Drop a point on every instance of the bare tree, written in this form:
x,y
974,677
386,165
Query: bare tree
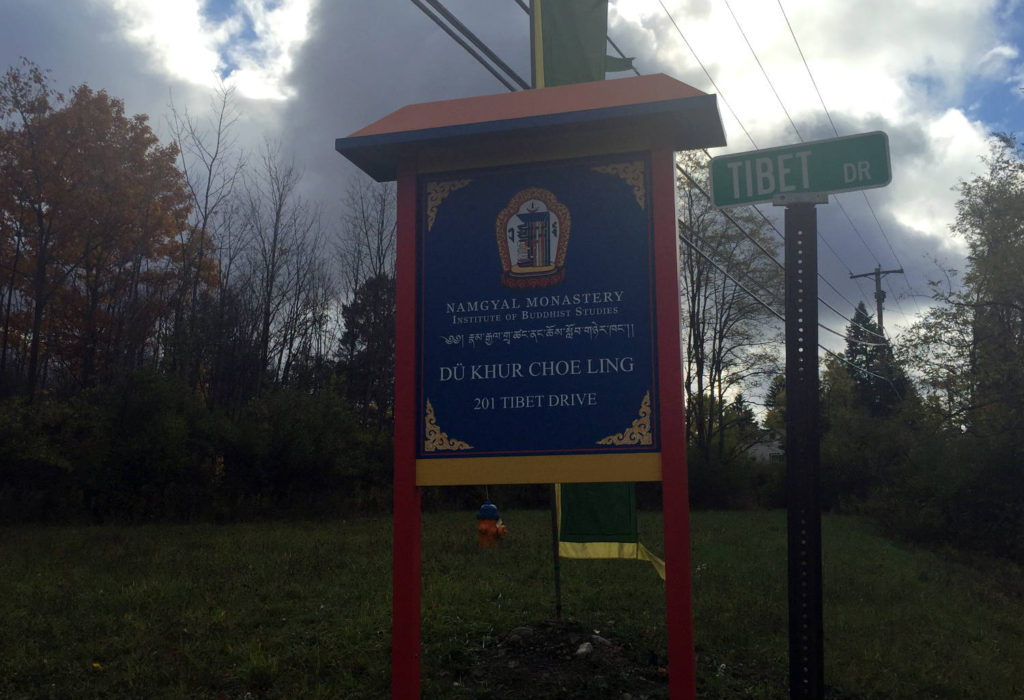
x,y
729,283
213,166
303,334
286,245
366,245
366,347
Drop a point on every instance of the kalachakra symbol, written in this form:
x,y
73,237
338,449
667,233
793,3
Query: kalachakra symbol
x,y
533,237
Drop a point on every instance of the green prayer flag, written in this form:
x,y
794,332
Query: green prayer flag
x,y
595,520
598,512
614,64
569,41
598,521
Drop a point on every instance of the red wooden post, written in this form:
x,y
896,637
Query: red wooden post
x,y
674,487
406,562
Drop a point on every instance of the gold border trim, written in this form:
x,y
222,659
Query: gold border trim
x,y
538,469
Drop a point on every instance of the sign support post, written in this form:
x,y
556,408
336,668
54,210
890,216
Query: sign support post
x,y
799,177
674,487
406,556
803,455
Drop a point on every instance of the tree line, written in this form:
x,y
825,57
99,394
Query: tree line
x,y
181,332
183,335
925,432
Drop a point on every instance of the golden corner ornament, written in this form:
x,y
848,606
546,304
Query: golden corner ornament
x,y
834,165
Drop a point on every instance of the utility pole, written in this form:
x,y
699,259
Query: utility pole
x,y
879,293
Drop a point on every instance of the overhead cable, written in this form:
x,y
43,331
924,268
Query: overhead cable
x,y
782,105
763,71
700,189
824,108
450,31
754,144
436,4
511,87
712,80
693,246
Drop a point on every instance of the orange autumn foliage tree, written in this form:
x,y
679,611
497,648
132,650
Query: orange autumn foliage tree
x,y
92,205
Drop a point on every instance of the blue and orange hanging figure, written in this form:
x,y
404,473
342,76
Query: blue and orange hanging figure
x,y
489,526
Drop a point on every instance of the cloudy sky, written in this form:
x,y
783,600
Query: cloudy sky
x,y
938,76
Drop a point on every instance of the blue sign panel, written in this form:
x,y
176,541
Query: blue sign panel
x,y
536,310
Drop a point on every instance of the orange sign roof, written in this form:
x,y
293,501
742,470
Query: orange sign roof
x,y
679,115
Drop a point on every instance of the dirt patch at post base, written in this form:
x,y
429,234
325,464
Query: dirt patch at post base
x,y
553,659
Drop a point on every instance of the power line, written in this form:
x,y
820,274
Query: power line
x,y
771,309
753,296
700,189
846,214
450,31
773,296
797,131
487,52
436,4
854,340
865,371
814,83
696,58
790,118
763,71
839,357
724,213
771,257
828,245
802,58
754,144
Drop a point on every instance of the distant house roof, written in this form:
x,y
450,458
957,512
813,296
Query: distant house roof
x,y
655,109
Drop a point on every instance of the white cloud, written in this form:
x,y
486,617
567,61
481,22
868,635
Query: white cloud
x,y
177,42
264,67
185,46
912,68
922,196
907,68
997,60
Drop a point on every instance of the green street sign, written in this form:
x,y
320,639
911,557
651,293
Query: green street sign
x,y
815,167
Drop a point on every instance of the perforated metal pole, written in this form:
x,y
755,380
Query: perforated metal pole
x,y
803,456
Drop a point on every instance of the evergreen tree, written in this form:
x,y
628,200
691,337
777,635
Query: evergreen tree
x,y
366,357
879,383
969,353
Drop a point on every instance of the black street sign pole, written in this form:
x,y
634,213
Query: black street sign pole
x,y
799,177
803,456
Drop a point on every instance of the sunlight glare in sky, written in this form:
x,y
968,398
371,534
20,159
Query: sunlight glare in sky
x,y
247,43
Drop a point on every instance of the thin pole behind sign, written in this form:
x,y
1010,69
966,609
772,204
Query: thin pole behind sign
x,y
554,551
803,455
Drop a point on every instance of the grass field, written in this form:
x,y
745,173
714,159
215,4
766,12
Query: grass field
x,y
302,610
